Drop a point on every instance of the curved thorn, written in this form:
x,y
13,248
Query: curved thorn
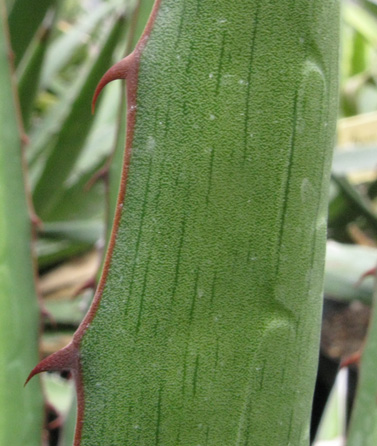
x,y
118,71
64,359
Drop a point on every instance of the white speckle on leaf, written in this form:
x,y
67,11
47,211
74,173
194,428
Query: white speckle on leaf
x,y
212,117
210,75
151,144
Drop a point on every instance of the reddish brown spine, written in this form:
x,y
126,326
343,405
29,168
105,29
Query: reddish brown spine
x,y
64,359
121,70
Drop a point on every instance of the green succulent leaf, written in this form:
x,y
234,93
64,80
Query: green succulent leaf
x,y
64,47
213,291
363,426
21,410
73,133
29,80
24,20
361,20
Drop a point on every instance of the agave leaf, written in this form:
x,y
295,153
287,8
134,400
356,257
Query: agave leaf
x,y
361,20
359,59
115,166
63,47
354,159
99,143
363,425
73,133
371,5
64,93
24,20
357,201
29,80
47,131
76,224
21,410
79,201
84,231
210,298
44,135
52,251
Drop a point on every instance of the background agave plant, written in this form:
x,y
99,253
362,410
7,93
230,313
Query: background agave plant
x,y
61,49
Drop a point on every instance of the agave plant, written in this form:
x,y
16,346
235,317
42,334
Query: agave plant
x,y
210,295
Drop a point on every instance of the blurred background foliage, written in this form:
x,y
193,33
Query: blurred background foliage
x,y
61,48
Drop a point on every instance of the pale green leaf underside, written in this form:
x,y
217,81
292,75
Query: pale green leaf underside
x,y
207,332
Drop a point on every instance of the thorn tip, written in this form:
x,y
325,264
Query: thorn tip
x,y
64,359
118,71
